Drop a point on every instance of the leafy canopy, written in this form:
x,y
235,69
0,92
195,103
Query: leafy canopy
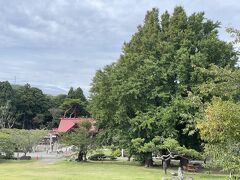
x,y
153,88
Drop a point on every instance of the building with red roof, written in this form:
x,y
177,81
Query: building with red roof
x,y
66,124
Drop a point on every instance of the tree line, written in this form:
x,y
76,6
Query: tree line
x,y
27,107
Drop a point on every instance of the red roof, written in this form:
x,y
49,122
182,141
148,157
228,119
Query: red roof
x,y
67,123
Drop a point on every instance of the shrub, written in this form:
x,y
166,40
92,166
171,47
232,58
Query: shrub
x,y
25,158
7,156
97,157
116,153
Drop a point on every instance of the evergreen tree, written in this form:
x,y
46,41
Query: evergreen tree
x,y
151,90
74,105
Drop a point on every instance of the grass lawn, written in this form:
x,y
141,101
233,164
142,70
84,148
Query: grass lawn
x,y
36,170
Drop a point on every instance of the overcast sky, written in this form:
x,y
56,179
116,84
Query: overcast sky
x,y
56,44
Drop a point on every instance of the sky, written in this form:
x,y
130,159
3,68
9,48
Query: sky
x,y
58,44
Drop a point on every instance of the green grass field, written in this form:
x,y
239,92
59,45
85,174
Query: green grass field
x,y
62,170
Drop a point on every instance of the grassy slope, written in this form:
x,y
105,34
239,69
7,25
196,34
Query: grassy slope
x,y
84,171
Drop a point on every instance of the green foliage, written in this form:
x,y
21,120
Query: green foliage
x,y
19,139
221,82
7,118
153,89
80,137
74,105
6,92
30,102
56,114
116,153
86,124
27,107
97,157
221,122
57,101
7,145
220,129
25,140
76,94
174,147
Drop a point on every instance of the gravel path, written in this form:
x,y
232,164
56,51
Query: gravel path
x,y
44,157
49,160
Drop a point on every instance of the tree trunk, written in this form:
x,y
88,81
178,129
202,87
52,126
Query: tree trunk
x,y
148,159
80,156
129,157
168,162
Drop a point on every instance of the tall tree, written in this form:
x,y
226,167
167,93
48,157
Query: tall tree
x,y
150,90
30,102
6,93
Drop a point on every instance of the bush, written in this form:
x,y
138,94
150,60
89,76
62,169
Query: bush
x,y
7,156
138,158
116,153
101,157
97,157
25,158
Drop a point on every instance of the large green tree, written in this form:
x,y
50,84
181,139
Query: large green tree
x,y
150,90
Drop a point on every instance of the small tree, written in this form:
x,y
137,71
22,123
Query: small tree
x,y
19,139
25,140
220,129
7,145
82,138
